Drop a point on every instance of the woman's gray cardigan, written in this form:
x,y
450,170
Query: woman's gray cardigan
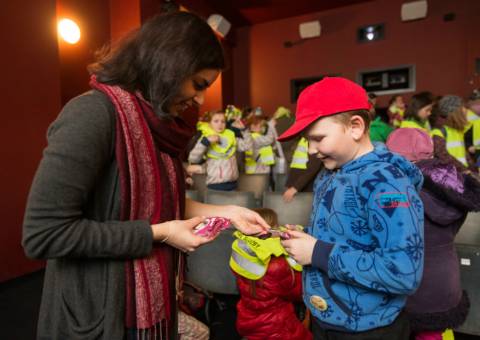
x,y
72,220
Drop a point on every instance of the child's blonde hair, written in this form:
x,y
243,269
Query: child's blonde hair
x,y
254,120
269,215
207,117
344,118
457,119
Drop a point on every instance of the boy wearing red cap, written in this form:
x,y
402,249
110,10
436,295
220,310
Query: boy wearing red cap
x,y
363,250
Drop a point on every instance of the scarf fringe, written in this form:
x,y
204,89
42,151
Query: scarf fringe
x,y
159,331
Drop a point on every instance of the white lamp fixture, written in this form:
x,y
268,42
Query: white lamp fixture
x,y
310,29
69,31
414,10
219,24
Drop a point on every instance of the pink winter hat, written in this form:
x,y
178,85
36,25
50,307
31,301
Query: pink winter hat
x,y
413,144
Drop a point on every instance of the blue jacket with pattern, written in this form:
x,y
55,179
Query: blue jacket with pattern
x,y
368,219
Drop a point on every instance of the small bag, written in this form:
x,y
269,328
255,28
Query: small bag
x,y
193,298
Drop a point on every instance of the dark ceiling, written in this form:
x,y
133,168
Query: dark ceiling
x,y
250,12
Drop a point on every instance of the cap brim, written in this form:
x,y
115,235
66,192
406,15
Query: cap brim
x,y
297,127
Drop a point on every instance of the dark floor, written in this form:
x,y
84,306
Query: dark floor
x,y
20,301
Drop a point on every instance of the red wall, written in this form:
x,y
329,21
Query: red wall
x,y
30,97
93,18
125,17
443,52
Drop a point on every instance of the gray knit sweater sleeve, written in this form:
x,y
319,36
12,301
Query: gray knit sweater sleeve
x,y
62,217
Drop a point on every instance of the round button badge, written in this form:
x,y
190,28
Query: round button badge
x,y
318,302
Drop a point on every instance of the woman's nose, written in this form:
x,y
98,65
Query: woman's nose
x,y
199,97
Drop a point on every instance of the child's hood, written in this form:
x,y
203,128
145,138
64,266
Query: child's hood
x,y
450,186
381,154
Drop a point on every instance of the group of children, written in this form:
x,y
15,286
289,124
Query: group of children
x,y
219,139
377,259
453,124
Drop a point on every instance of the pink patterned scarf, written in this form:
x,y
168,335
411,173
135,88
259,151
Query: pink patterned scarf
x,y
152,184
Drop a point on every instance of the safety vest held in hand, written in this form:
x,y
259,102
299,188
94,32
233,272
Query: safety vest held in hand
x,y
300,156
265,156
455,142
251,255
226,146
474,120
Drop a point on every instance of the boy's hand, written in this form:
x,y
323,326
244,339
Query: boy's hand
x,y
300,246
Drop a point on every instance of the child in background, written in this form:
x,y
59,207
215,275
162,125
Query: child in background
x,y
418,111
260,158
219,145
363,250
379,127
473,117
449,138
447,196
396,110
269,282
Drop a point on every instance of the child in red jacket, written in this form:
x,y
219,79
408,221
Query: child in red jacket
x,y
269,282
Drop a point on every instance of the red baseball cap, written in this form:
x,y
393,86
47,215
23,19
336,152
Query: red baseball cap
x,y
327,97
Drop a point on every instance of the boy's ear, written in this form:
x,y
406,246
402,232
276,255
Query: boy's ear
x,y
357,127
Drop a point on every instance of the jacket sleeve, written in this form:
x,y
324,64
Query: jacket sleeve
x,y
245,143
80,149
196,154
302,179
391,259
264,140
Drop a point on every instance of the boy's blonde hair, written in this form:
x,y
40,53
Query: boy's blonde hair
x,y
344,118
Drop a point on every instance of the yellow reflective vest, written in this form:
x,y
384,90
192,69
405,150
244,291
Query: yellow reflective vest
x,y
251,255
396,110
474,120
414,124
226,146
205,129
300,155
265,156
455,143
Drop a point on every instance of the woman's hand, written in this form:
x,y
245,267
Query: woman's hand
x,y
289,194
180,234
247,221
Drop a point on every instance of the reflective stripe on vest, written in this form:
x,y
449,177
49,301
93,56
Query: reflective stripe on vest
x,y
294,264
474,119
455,143
472,116
300,156
225,148
265,157
244,264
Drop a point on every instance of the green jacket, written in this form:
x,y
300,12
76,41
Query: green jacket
x,y
379,130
